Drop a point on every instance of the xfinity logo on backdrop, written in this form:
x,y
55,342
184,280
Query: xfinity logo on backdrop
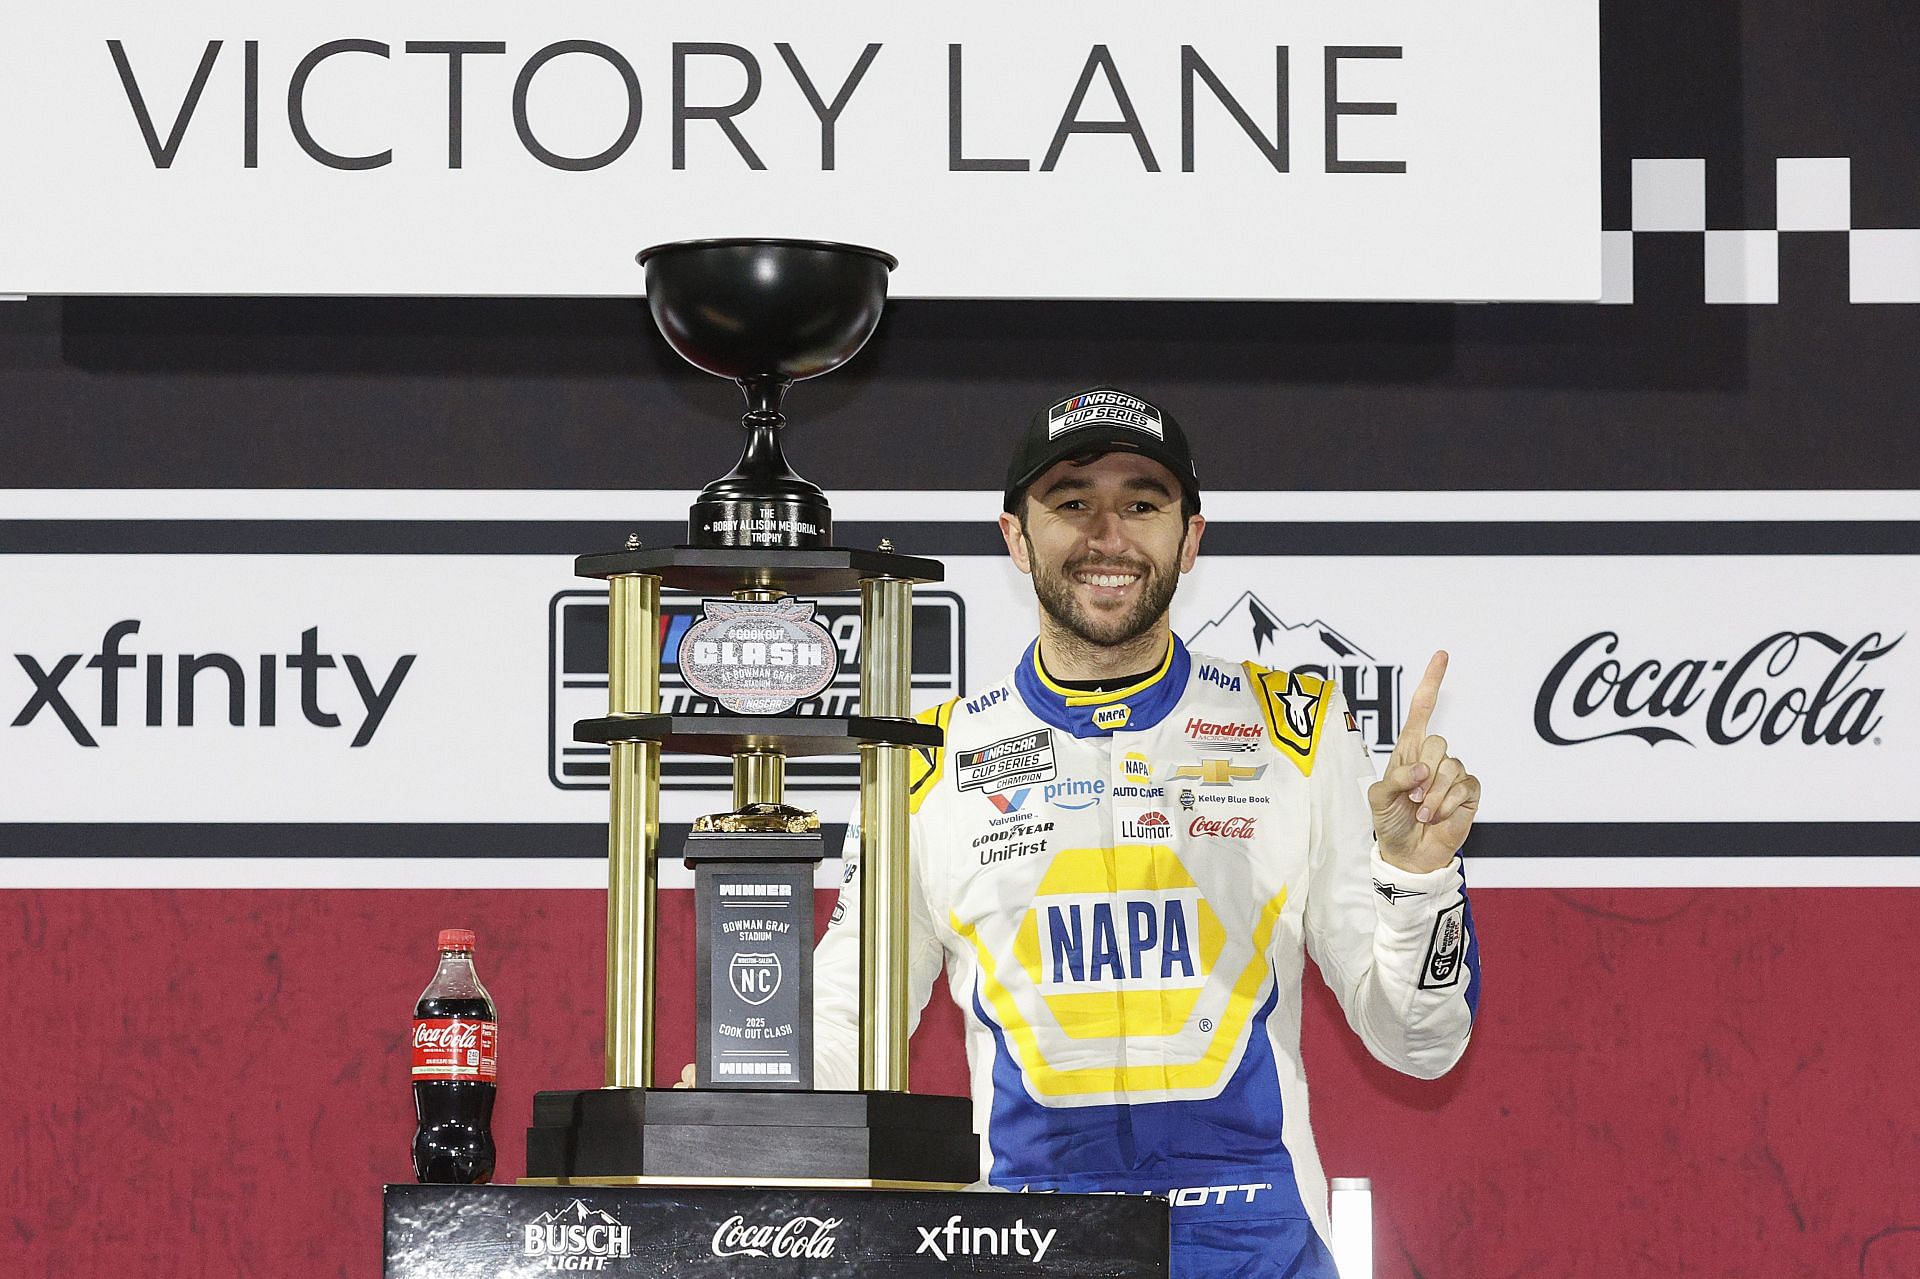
x,y
115,687
1804,686
956,1239
1249,628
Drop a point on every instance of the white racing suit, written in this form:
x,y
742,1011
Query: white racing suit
x,y
1121,887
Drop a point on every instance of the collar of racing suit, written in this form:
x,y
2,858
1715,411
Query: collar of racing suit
x,y
1089,714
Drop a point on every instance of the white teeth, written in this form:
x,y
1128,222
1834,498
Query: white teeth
x,y
1108,579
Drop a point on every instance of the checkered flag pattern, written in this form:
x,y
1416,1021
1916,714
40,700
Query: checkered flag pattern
x,y
1813,197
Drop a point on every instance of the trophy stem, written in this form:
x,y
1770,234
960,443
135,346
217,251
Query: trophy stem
x,y
764,394
886,629
759,777
633,688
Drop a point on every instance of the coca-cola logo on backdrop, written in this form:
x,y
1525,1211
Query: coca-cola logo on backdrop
x,y
1792,686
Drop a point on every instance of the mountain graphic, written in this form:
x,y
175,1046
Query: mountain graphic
x,y
577,1211
1250,628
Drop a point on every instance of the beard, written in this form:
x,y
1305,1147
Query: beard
x,y
1105,628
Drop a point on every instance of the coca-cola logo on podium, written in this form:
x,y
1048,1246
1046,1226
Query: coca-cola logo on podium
x,y
803,1236
1792,686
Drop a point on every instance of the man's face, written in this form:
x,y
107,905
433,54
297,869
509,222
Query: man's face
x,y
1106,543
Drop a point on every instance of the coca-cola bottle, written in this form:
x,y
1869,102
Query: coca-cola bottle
x,y
454,1049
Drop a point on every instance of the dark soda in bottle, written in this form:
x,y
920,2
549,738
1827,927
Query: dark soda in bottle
x,y
455,1050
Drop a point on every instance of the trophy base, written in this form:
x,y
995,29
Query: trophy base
x,y
608,1135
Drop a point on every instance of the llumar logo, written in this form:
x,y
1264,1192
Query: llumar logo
x,y
576,1238
1804,686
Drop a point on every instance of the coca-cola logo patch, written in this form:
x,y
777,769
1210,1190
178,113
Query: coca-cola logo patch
x,y
1222,827
1805,687
455,1048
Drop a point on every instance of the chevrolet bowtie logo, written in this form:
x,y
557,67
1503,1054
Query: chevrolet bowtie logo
x,y
1218,772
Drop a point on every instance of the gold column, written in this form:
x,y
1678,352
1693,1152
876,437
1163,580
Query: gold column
x,y
759,777
886,637
633,688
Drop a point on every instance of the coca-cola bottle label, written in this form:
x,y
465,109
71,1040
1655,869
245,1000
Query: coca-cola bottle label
x,y
455,1048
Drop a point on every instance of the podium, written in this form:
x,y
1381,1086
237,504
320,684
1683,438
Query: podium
x,y
693,1232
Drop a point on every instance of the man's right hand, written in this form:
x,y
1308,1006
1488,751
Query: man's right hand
x,y
686,1077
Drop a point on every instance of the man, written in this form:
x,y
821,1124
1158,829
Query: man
x,y
1124,849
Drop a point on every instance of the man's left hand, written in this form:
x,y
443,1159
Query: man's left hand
x,y
1426,803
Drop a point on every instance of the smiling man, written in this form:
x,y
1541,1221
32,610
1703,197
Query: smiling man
x,y
1124,853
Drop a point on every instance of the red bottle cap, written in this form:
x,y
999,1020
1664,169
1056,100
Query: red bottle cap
x,y
456,939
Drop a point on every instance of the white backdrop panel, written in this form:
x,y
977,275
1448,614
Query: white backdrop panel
x,y
1001,149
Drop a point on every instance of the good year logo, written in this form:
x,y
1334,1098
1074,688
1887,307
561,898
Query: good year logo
x,y
1804,685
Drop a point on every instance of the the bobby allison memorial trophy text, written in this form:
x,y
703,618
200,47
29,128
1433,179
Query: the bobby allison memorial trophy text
x,y
753,1172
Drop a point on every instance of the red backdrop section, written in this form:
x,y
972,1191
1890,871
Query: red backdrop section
x,y
215,1082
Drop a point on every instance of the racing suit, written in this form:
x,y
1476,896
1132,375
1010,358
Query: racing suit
x,y
1120,886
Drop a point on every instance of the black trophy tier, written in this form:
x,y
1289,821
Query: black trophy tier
x,y
766,313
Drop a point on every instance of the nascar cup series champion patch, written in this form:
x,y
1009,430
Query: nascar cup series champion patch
x,y
758,658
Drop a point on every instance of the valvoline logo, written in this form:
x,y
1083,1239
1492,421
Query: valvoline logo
x,y
1011,801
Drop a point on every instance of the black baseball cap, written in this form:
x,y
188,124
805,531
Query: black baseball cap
x,y
1102,419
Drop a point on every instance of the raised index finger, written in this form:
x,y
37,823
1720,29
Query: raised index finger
x,y
1420,710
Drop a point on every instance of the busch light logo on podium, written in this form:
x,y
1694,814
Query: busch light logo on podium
x,y
576,1238
758,658
755,978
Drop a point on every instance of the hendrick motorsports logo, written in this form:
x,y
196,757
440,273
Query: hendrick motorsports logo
x,y
1248,628
576,1238
1801,686
577,682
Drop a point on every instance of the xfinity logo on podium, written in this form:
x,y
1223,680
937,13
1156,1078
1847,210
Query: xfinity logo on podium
x,y
577,684
957,1239
1801,686
120,686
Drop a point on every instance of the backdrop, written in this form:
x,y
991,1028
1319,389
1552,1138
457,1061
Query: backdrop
x,y
1695,903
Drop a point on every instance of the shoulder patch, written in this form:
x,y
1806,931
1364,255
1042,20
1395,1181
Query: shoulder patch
x,y
928,762
1295,708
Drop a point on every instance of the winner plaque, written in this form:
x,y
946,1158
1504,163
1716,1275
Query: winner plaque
x,y
764,314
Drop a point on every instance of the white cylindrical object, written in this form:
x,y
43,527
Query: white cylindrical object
x,y
1350,1204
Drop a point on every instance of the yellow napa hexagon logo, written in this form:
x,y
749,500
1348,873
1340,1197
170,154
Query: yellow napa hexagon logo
x,y
1119,942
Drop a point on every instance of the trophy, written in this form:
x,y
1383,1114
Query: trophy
x,y
764,313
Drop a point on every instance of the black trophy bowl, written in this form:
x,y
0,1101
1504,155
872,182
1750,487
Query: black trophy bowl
x,y
766,313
